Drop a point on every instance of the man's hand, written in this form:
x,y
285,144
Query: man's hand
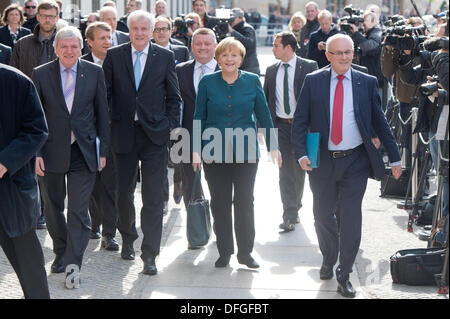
x,y
397,171
304,163
40,168
322,46
354,28
196,161
230,29
3,170
376,141
276,157
102,162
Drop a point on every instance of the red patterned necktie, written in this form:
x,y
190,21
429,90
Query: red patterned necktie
x,y
338,105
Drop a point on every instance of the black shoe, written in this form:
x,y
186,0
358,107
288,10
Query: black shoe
x,y
287,226
194,247
58,264
177,192
222,262
127,252
109,243
326,272
345,289
150,267
41,224
95,233
248,261
165,208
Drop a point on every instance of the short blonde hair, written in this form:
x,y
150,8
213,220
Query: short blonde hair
x,y
229,44
325,14
297,16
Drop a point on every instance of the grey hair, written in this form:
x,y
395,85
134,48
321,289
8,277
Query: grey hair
x,y
312,3
141,15
338,36
324,14
102,11
69,32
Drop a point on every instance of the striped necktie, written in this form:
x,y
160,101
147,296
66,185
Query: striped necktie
x,y
69,94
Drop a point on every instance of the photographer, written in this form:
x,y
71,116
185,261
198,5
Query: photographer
x,y
369,45
184,27
244,33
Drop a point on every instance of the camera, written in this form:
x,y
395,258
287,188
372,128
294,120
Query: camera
x,y
182,25
223,19
405,37
428,89
355,17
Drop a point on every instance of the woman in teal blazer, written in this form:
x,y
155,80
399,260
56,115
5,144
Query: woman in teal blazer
x,y
225,109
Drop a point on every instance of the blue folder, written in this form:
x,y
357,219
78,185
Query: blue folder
x,y
312,148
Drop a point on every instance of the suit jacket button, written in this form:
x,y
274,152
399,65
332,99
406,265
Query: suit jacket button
x,y
229,105
229,96
229,114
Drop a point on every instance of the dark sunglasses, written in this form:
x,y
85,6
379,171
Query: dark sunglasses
x,y
30,7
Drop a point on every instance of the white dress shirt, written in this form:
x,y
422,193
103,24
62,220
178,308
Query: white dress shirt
x,y
279,88
210,68
97,60
351,137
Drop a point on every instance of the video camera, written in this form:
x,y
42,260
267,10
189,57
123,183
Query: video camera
x,y
403,37
182,25
223,19
356,17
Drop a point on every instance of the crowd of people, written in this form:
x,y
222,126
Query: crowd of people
x,y
90,110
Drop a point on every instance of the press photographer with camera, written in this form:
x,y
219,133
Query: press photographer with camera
x,y
184,27
369,45
244,33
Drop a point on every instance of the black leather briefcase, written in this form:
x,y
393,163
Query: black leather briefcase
x,y
417,267
390,187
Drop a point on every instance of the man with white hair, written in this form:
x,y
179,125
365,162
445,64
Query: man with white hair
x,y
317,39
73,96
343,106
144,105
109,15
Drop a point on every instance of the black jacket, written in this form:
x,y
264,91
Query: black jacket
x,y
305,32
5,54
440,65
245,33
370,51
30,24
23,131
313,52
5,36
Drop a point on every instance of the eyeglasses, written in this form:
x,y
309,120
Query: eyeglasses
x,y
46,16
340,53
30,7
158,30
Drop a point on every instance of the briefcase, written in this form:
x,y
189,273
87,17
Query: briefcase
x,y
390,187
198,228
417,267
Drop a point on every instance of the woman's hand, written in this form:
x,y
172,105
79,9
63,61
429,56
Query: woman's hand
x,y
196,161
276,157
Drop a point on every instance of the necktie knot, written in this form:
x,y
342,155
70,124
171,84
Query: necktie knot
x,y
341,77
286,65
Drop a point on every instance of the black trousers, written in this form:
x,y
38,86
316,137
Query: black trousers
x,y
232,184
102,207
26,257
72,237
344,187
292,177
153,160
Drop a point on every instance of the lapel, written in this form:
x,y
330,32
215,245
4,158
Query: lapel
x,y
297,77
57,85
151,57
326,96
356,87
129,62
190,78
79,84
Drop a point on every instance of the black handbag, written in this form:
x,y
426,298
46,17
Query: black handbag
x,y
417,267
198,228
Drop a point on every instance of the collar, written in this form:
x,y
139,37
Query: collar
x,y
210,65
73,68
95,58
348,74
292,62
145,50
11,31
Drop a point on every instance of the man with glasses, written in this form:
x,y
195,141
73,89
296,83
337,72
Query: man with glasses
x,y
343,106
30,13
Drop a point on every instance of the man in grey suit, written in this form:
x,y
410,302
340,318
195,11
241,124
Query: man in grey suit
x,y
73,95
5,54
109,15
282,87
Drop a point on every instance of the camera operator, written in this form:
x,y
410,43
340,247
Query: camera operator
x,y
184,27
391,59
244,33
369,45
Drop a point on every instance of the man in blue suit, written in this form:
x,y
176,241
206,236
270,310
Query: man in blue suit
x,y
343,105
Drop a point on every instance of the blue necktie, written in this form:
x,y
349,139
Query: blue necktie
x,y
137,69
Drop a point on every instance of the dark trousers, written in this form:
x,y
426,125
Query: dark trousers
x,y
72,237
177,178
405,113
102,207
187,183
153,160
292,177
26,257
344,187
232,184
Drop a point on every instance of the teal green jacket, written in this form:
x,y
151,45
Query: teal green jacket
x,y
224,127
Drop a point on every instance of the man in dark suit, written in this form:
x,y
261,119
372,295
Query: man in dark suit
x,y
282,86
108,14
343,106
73,95
102,206
189,74
5,54
22,132
144,101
